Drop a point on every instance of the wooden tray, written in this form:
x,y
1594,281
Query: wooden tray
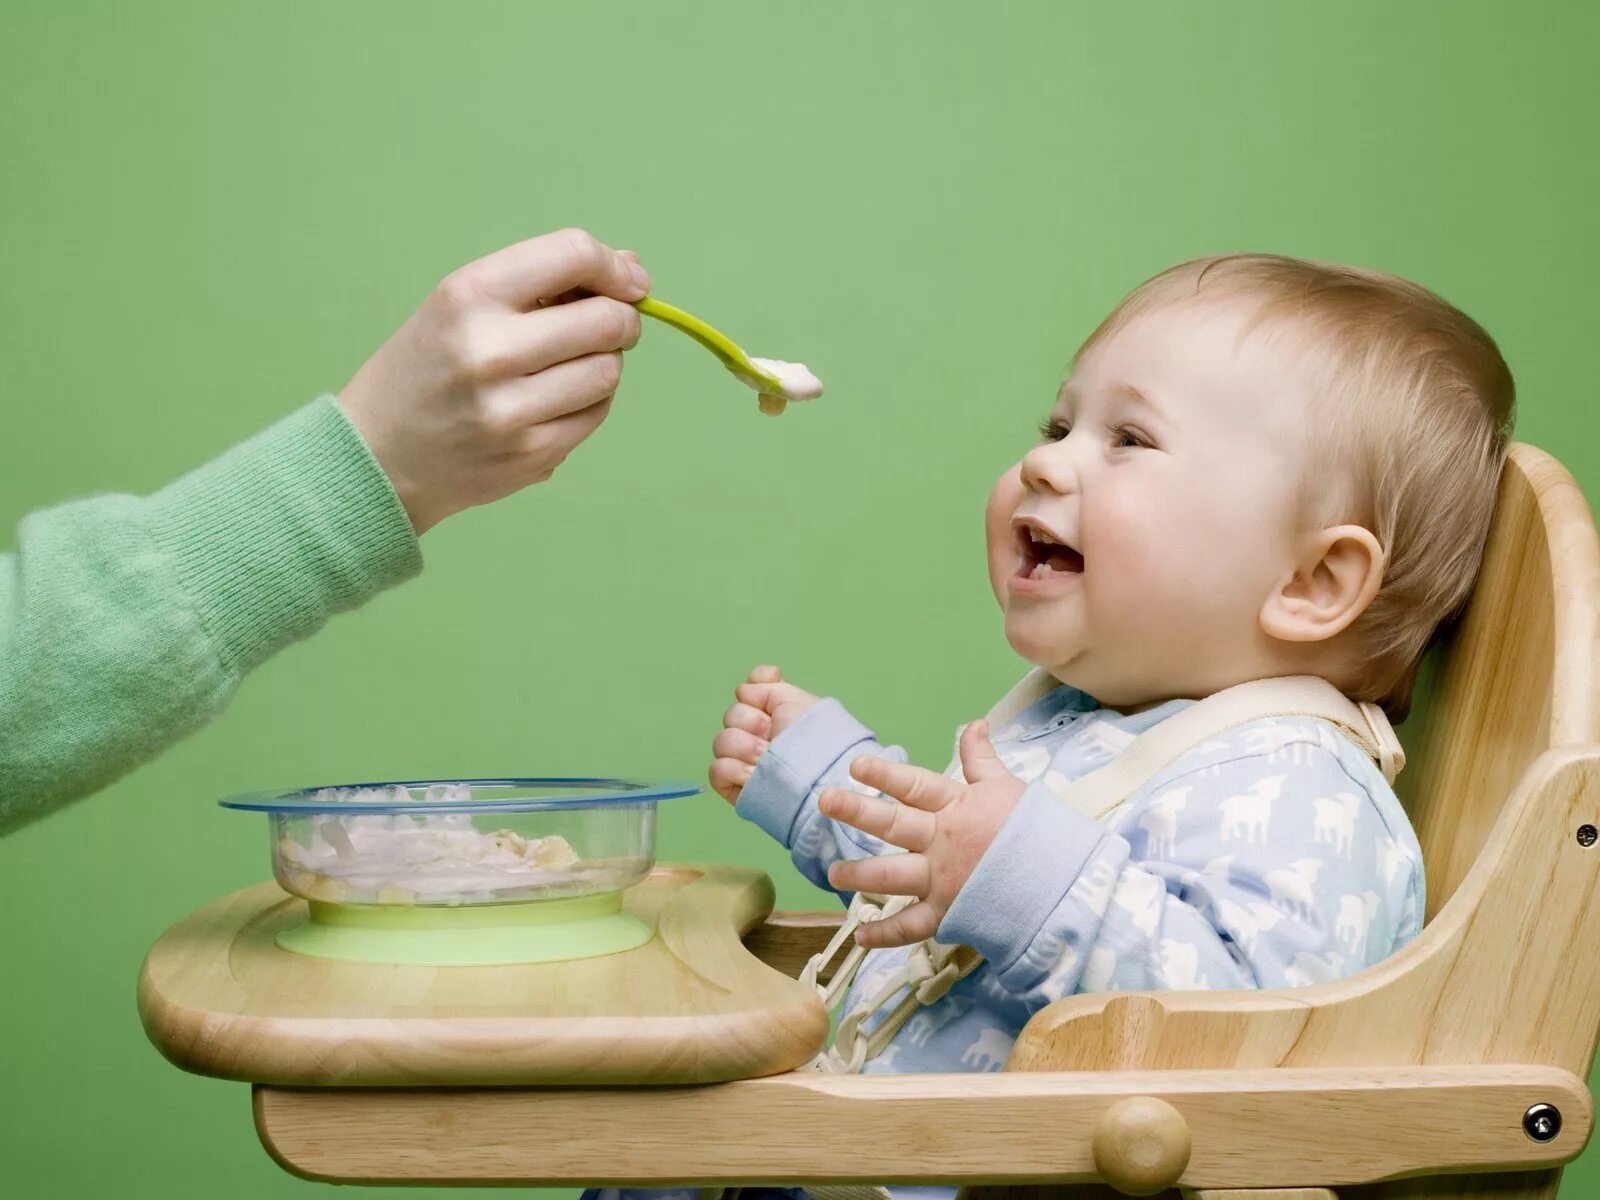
x,y
219,997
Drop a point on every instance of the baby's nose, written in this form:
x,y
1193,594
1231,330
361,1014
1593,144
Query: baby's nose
x,y
1049,468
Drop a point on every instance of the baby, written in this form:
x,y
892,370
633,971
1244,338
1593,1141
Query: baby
x,y
1259,467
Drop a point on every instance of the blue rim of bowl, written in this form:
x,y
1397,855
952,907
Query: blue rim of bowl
x,y
612,792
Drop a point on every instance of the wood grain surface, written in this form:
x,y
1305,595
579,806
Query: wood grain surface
x,y
1249,1128
219,997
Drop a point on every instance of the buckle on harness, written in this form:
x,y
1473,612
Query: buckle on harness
x,y
937,984
954,963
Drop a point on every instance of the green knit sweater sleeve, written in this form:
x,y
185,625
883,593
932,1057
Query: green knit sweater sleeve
x,y
127,622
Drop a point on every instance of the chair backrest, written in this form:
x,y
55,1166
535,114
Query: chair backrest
x,y
1514,677
1497,979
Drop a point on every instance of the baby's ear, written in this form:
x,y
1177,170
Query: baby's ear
x,y
1338,574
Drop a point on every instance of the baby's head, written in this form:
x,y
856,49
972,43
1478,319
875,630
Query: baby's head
x,y
1259,466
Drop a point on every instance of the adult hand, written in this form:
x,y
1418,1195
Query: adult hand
x,y
503,370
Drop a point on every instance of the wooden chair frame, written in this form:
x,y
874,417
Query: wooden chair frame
x,y
1455,1068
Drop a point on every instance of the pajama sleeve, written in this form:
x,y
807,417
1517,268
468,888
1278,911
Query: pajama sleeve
x,y
1275,869
809,756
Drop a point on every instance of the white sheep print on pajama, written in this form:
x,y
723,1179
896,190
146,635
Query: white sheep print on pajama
x,y
1273,855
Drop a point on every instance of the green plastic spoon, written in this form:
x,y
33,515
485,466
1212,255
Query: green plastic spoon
x,y
775,392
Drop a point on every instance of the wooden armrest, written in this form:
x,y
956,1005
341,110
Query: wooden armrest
x,y
1235,1129
787,940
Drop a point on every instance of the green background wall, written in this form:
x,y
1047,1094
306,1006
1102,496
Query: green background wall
x,y
212,212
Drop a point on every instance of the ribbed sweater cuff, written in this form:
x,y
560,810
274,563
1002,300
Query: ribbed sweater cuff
x,y
283,531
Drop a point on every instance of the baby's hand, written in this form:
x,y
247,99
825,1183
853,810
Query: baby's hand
x,y
766,707
944,825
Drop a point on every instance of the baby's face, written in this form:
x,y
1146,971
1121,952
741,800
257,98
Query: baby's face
x,y
1134,547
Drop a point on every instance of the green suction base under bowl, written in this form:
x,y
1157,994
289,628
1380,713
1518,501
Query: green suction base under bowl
x,y
533,931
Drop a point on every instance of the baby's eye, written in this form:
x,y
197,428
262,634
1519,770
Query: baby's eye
x,y
1124,438
1053,431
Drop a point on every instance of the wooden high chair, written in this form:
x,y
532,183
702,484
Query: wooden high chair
x,y
1455,1068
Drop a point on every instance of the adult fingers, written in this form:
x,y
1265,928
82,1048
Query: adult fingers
x,y
502,345
893,874
914,923
908,828
554,392
766,674
579,293
548,443
751,720
546,266
917,786
737,744
727,776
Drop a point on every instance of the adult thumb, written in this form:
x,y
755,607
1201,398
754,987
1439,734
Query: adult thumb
x,y
978,759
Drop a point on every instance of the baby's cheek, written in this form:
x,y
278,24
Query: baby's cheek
x,y
1146,560
1002,565
1002,551
1128,584
1183,572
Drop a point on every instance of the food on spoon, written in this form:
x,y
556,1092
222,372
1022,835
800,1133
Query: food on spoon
x,y
794,379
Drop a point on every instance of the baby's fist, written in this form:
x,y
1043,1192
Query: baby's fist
x,y
765,707
781,702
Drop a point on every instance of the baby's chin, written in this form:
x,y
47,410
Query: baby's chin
x,y
1044,643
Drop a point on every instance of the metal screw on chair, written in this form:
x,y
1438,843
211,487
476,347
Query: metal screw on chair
x,y
1542,1122
1587,835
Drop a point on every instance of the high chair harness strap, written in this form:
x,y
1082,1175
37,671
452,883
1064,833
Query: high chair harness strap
x,y
932,967
1286,696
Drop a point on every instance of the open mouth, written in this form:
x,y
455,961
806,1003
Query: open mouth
x,y
1043,554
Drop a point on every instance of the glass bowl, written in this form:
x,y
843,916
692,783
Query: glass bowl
x,y
429,870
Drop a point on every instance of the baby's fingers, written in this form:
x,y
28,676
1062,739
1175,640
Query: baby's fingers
x,y
766,674
909,828
979,762
728,776
917,786
891,874
738,744
751,720
906,927
765,696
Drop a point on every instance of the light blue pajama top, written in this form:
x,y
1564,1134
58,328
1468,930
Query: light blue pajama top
x,y
1273,855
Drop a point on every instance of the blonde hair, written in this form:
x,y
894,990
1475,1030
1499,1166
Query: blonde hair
x,y
1414,403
